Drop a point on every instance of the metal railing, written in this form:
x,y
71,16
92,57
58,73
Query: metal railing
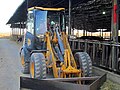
x,y
103,54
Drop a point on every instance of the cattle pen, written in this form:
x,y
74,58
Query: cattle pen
x,y
101,53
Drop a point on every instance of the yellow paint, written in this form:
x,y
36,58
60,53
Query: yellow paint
x,y
29,42
32,69
65,59
71,70
67,46
64,40
22,61
46,9
69,66
50,51
63,67
55,40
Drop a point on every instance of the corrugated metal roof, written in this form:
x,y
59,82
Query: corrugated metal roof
x,y
21,12
86,14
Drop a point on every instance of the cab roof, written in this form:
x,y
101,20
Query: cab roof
x,y
46,9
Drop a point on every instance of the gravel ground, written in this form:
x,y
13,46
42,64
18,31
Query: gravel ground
x,y
9,65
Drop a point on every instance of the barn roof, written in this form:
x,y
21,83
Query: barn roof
x,y
86,14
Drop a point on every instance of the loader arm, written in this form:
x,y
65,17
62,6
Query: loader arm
x,y
60,42
67,46
50,52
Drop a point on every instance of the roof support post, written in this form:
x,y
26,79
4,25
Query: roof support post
x,y
102,33
73,25
69,27
12,32
83,32
23,28
115,19
15,31
27,4
86,33
20,28
91,33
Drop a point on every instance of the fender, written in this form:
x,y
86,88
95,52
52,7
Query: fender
x,y
26,53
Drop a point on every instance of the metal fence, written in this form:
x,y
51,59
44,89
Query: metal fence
x,y
104,54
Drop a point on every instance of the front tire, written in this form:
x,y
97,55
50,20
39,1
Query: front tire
x,y
25,65
37,66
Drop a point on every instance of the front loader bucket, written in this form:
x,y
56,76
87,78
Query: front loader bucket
x,y
62,83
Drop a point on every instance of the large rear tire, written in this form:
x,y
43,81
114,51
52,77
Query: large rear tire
x,y
25,65
84,63
37,66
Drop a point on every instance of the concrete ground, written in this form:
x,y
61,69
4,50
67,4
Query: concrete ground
x,y
9,65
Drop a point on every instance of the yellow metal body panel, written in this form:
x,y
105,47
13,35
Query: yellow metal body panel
x,y
71,70
22,60
67,46
68,68
46,9
29,42
32,68
55,40
50,52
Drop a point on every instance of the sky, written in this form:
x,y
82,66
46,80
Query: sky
x,y
7,9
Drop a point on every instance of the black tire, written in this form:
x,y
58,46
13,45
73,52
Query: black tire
x,y
25,65
39,67
89,63
84,63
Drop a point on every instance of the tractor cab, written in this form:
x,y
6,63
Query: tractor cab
x,y
39,21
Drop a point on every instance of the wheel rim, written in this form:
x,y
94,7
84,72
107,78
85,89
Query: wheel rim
x,y
77,61
32,69
22,61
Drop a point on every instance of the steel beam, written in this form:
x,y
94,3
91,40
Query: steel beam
x,y
115,16
69,27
